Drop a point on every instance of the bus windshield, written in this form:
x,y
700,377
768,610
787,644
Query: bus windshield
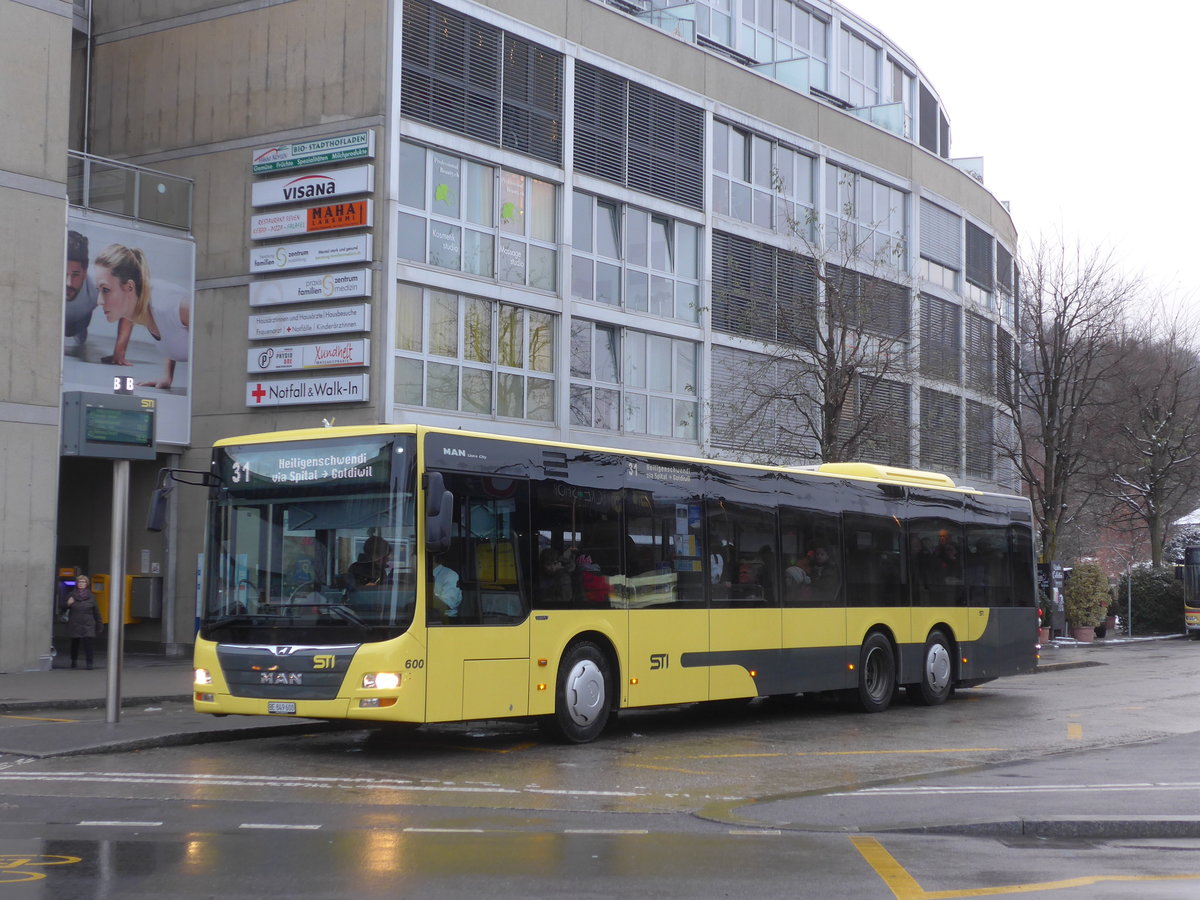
x,y
312,541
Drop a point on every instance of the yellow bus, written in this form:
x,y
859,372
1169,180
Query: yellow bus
x,y
414,574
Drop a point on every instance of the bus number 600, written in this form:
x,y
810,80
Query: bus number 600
x,y
414,664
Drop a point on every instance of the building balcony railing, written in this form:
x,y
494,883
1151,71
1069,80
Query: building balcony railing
x,y
133,192
889,116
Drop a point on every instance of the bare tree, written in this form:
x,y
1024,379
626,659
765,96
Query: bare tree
x,y
1072,305
1151,419
822,369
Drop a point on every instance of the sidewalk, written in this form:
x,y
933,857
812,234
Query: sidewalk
x,y
62,712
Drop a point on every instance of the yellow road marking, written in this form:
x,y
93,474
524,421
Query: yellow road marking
x,y
904,887
664,769
38,719
14,869
1074,731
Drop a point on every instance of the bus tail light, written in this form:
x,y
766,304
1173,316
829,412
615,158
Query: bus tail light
x,y
381,681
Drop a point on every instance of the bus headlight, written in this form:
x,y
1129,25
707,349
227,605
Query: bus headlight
x,y
381,681
203,676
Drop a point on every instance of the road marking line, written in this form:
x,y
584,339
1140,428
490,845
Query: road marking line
x,y
37,719
268,825
113,823
445,830
605,831
844,753
1017,789
754,831
904,887
1074,731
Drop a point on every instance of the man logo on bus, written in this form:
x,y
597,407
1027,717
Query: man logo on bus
x,y
658,661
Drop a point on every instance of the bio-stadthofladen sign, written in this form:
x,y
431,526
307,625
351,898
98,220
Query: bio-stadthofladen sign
x,y
341,285
308,254
311,220
313,186
320,151
295,391
327,355
311,322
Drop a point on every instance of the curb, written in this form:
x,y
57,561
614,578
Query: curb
x,y
93,703
1097,828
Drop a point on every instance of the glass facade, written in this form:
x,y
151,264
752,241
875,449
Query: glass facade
x,y
611,307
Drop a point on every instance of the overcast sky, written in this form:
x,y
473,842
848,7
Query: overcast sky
x,y
1082,114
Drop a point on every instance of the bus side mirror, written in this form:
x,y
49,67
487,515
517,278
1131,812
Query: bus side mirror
x,y
439,513
156,516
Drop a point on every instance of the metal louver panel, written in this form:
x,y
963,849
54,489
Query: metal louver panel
x,y
796,306
666,147
451,71
981,444
928,110
1005,367
941,235
941,338
532,112
743,287
887,405
868,303
600,102
1004,267
980,356
979,257
941,431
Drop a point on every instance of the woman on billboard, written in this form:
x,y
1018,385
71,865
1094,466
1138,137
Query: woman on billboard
x,y
122,277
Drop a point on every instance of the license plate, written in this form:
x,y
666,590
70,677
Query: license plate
x,y
281,707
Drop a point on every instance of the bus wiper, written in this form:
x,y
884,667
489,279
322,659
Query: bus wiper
x,y
241,619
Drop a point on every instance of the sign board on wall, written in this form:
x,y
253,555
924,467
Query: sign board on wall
x,y
321,151
296,391
308,254
313,186
341,285
311,322
328,355
311,220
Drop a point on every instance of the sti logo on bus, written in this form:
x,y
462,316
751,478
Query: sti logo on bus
x,y
659,661
324,661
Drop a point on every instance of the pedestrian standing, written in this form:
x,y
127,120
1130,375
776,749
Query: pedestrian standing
x,y
83,621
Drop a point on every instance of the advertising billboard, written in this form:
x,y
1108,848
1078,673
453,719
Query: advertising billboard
x,y
128,302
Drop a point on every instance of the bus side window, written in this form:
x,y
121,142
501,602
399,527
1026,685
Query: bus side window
x,y
482,578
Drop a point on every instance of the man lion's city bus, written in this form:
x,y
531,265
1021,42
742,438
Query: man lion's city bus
x,y
413,574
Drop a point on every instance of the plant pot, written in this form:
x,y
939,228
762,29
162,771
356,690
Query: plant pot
x,y
1084,635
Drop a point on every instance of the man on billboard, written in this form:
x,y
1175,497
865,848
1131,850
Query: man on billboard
x,y
81,290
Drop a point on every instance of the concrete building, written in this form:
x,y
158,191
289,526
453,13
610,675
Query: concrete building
x,y
620,222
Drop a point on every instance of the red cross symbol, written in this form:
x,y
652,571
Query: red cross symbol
x,y
258,393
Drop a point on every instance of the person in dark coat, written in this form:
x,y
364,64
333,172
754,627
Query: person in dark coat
x,y
83,621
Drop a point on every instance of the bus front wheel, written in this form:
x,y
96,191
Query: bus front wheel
x,y
582,696
937,673
876,673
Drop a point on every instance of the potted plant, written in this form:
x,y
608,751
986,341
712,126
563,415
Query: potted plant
x,y
1086,600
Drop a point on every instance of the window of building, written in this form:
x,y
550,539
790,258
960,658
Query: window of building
x,y
858,75
628,256
760,181
476,218
636,136
941,431
941,339
633,381
980,357
979,269
472,355
474,79
981,446
864,218
763,292
941,246
899,89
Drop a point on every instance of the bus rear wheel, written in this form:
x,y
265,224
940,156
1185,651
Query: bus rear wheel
x,y
582,695
937,673
876,673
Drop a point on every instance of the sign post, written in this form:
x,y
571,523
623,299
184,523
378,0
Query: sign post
x,y
116,596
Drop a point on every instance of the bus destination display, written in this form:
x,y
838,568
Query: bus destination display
x,y
307,463
105,425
